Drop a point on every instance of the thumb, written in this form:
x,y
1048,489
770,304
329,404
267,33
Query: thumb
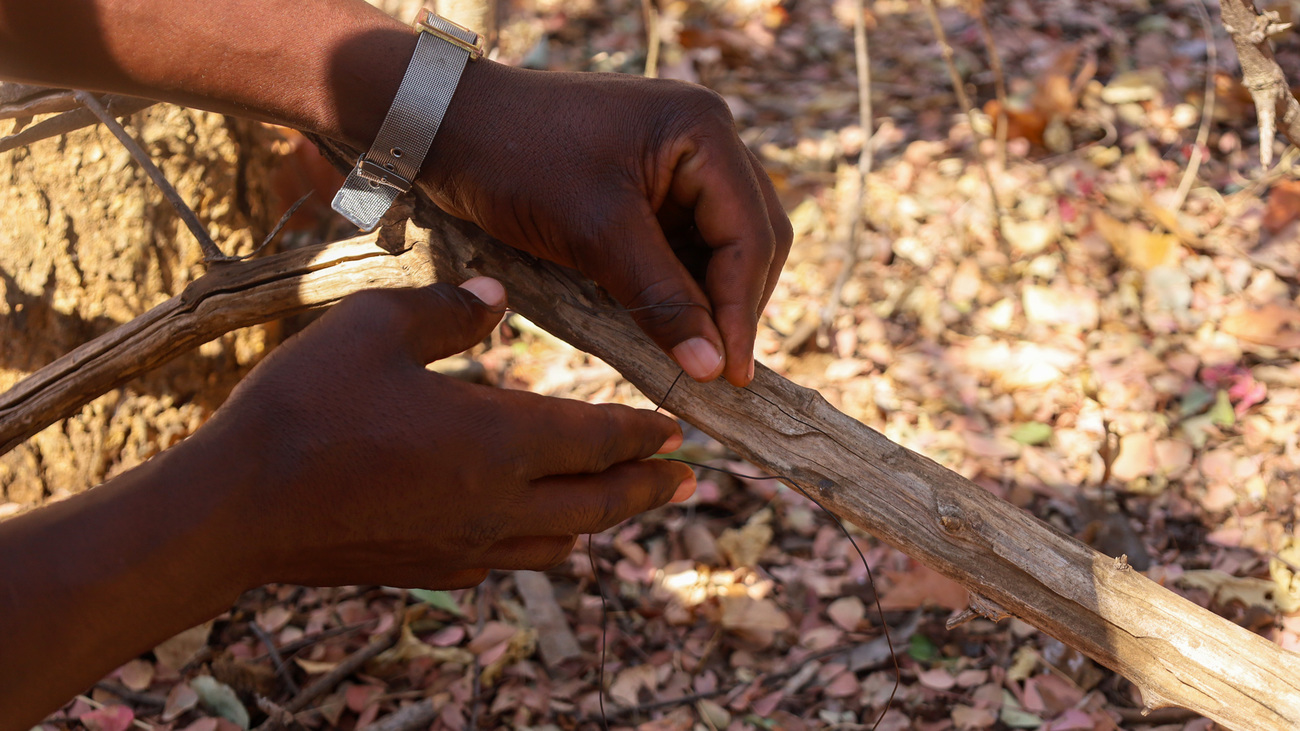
x,y
647,278
443,320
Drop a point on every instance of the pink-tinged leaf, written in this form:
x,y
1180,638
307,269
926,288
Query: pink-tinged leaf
x,y
494,653
180,699
493,634
843,685
820,638
1072,719
768,703
136,675
966,718
274,618
847,612
937,678
1245,393
108,718
367,717
359,697
922,586
448,636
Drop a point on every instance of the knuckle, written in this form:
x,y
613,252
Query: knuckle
x,y
661,305
478,534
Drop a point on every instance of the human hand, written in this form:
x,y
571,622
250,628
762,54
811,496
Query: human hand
x,y
622,178
372,469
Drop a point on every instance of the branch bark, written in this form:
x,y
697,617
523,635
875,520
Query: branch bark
x,y
229,296
1176,652
1263,76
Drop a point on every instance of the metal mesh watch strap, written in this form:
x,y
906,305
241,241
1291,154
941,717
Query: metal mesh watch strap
x,y
399,149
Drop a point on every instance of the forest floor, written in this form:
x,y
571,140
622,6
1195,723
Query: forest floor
x,y
1111,354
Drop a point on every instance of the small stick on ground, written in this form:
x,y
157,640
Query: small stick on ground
x,y
1207,110
651,14
211,252
858,228
276,660
476,681
330,680
960,88
999,79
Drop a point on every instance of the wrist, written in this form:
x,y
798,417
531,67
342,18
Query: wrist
x,y
211,482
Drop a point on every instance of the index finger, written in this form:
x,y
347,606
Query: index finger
x,y
554,436
717,180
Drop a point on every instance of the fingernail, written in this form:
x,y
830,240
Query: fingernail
x,y
486,289
698,357
684,490
750,377
672,445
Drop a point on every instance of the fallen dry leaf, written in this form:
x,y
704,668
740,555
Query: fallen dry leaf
x,y
136,675
1283,205
1274,325
1137,245
108,718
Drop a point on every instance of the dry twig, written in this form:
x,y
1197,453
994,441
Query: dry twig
x,y
1263,76
211,252
964,101
999,79
858,227
1207,110
330,680
71,121
651,14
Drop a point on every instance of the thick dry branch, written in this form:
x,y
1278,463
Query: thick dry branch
x,y
1268,87
122,106
228,297
23,100
1176,652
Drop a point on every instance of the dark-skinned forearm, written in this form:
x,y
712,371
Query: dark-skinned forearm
x,y
92,581
328,66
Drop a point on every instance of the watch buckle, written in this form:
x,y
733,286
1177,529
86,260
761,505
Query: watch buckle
x,y
378,174
430,22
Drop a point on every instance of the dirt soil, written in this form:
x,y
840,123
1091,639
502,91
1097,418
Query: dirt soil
x,y
1104,346
88,243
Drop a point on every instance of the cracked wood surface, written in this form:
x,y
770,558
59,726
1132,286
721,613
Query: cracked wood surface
x,y
227,297
1176,652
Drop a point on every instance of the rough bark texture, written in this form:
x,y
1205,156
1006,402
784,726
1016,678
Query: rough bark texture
x,y
229,297
87,243
1276,106
1176,652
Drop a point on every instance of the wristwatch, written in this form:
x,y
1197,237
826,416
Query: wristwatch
x,y
398,151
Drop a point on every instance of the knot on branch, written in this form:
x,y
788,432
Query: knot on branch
x,y
980,606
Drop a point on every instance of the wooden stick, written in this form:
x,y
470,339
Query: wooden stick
x,y
71,122
24,100
330,680
1176,652
964,101
1207,110
228,297
211,252
1261,72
